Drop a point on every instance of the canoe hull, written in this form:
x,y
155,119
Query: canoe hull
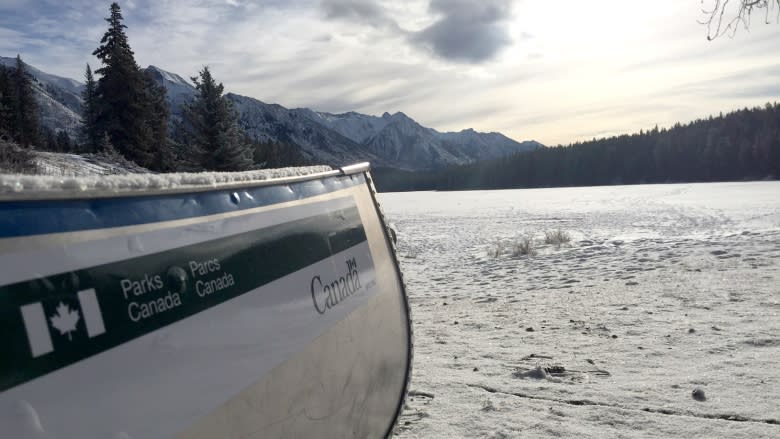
x,y
272,311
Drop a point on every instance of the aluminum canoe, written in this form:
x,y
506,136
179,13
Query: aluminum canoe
x,y
253,309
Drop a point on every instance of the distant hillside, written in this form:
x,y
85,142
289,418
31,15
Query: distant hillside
x,y
59,99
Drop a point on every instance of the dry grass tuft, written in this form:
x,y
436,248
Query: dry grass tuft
x,y
523,246
556,237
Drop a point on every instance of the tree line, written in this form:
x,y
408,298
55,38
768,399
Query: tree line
x,y
125,112
742,145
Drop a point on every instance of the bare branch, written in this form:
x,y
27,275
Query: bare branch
x,y
726,17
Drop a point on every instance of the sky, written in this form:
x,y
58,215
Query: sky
x,y
552,71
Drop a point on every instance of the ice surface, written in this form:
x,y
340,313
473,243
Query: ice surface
x,y
663,289
69,172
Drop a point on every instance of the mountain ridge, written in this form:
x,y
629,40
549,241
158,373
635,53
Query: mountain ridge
x,y
391,140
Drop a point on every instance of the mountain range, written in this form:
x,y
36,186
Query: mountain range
x,y
391,140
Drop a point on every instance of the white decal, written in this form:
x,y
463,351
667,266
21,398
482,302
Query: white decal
x,y
65,320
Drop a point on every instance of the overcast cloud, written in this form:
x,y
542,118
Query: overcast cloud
x,y
467,30
556,72
462,31
365,12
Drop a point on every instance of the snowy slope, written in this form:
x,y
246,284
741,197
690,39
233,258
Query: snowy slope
x,y
178,89
53,114
66,84
663,289
355,126
74,165
59,99
413,146
271,122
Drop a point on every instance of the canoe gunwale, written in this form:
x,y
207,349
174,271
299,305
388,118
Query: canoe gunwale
x,y
95,193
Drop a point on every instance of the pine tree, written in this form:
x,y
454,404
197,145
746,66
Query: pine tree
x,y
122,96
157,118
90,132
24,128
49,142
63,142
215,137
6,114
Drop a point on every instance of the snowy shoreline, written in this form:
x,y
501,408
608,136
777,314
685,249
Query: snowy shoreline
x,y
663,290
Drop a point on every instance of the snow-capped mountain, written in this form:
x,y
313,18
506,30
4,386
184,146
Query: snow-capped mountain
x,y
59,99
179,89
411,145
395,141
355,126
272,122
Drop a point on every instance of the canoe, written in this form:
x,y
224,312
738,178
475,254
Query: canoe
x,y
200,306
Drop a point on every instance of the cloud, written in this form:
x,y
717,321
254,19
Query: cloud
x,y
358,11
462,31
467,31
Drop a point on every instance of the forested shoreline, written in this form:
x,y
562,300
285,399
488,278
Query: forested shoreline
x,y
742,145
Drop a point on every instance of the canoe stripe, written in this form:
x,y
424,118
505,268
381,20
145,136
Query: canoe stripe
x,y
27,218
137,296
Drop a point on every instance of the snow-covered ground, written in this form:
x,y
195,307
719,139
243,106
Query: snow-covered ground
x,y
663,290
75,165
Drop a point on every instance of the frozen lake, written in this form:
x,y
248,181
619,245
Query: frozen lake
x,y
662,290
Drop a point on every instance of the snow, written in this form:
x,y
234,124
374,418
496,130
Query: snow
x,y
56,116
663,290
171,77
71,85
354,126
75,165
413,146
272,122
70,172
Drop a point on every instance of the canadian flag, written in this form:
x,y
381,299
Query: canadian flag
x,y
64,320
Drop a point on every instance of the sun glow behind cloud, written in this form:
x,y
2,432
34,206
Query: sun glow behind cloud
x,y
552,71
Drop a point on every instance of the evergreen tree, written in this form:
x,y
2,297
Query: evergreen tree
x,y
90,132
24,128
277,154
122,96
63,142
49,139
215,137
6,104
157,115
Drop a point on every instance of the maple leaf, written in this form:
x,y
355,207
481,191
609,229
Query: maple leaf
x,y
65,320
